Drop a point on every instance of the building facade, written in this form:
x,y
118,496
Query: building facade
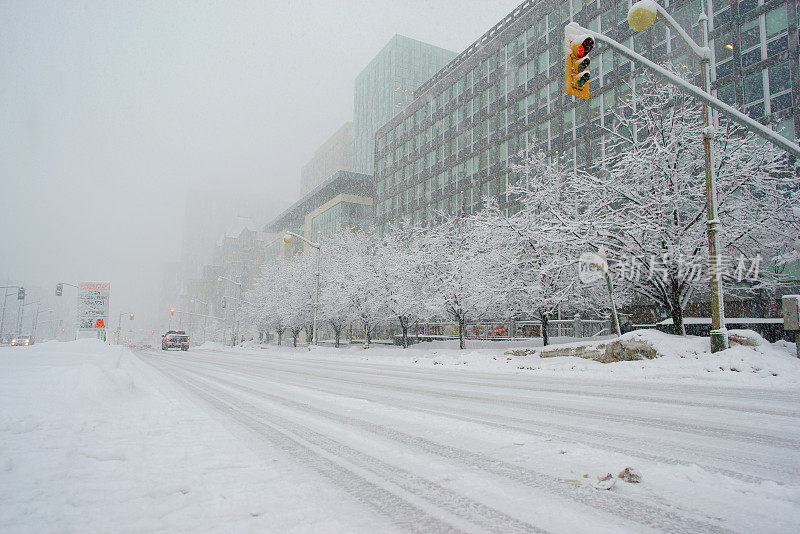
x,y
387,85
335,154
344,200
449,149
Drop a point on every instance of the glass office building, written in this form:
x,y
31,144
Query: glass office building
x,y
386,85
450,147
342,201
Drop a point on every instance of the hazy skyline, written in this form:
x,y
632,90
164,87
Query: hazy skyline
x,y
112,111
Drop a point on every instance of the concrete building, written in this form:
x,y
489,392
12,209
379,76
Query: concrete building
x,y
335,154
386,86
344,200
450,147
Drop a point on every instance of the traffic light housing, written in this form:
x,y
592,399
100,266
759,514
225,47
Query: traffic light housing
x,y
172,312
223,303
576,63
131,317
59,289
20,293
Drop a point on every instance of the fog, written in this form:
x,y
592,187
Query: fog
x,y
112,112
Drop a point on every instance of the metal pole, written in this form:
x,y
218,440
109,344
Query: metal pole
x,y
3,317
614,317
20,317
316,298
719,334
35,321
238,314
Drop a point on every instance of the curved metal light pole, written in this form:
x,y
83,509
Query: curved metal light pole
x,y
287,238
641,16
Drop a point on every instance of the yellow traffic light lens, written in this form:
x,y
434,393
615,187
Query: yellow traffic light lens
x,y
642,15
287,239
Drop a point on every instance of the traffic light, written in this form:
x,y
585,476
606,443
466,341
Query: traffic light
x,y
20,293
131,317
576,63
172,312
223,303
59,289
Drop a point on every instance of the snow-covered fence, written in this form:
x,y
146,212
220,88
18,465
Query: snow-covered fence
x,y
499,330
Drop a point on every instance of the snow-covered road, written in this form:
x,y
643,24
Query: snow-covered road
x,y
98,438
435,449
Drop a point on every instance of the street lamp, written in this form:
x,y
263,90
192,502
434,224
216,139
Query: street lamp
x,y
238,305
287,238
641,16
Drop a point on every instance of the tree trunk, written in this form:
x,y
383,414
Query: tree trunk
x,y
677,312
295,333
279,332
337,333
462,320
545,335
404,328
677,321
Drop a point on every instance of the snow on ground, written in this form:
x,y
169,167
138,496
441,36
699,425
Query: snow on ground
x,y
99,439
93,441
681,358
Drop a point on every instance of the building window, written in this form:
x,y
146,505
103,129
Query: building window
x,y
722,13
786,128
750,33
780,87
723,54
725,93
776,22
754,94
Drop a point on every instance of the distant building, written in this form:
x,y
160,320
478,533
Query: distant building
x,y
386,86
344,200
208,215
335,154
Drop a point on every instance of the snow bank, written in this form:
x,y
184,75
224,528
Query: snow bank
x,y
89,443
680,358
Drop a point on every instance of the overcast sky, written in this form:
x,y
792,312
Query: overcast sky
x,y
109,111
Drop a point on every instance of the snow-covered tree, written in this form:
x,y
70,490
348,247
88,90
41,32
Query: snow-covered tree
x,y
398,277
459,281
538,246
653,190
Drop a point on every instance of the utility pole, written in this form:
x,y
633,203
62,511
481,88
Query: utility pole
x,y
3,316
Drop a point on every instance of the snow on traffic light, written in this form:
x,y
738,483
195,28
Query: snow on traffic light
x,y
577,46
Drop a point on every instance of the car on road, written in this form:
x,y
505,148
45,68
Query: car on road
x,y
175,339
21,341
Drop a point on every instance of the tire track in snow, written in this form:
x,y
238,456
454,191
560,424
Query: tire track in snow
x,y
610,503
584,431
399,510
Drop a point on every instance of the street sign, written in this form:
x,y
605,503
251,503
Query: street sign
x,y
93,298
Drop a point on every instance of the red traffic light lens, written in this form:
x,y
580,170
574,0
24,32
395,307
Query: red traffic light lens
x,y
587,46
579,51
